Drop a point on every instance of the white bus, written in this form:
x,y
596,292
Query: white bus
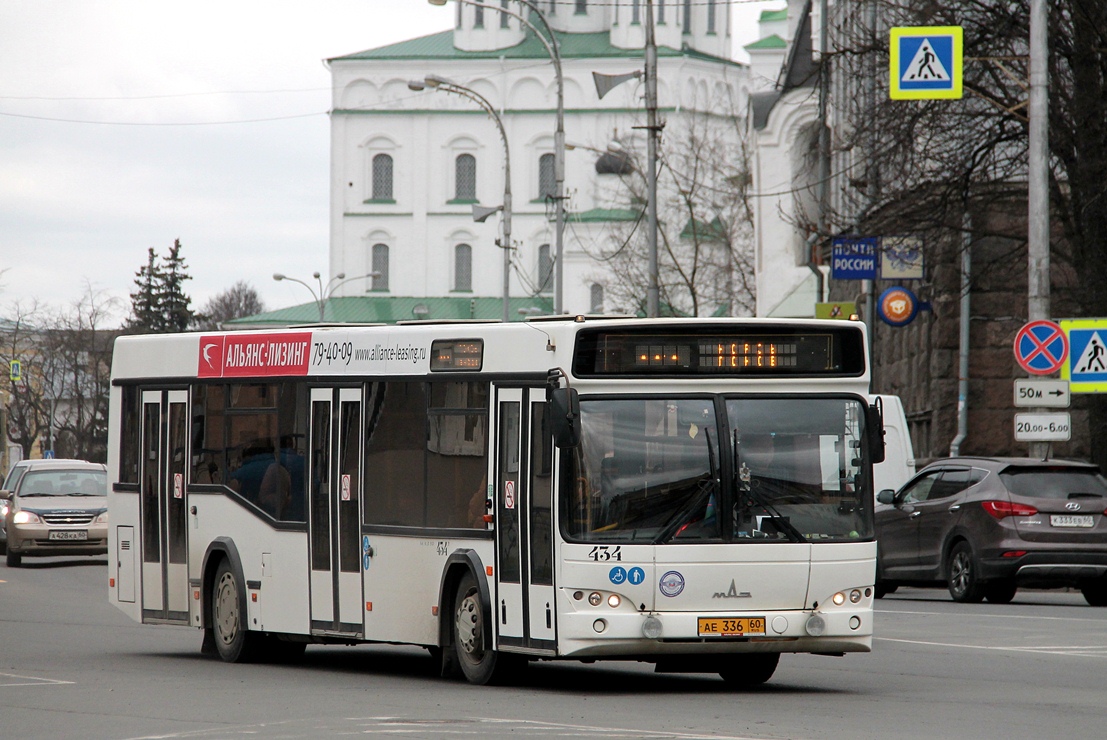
x,y
691,493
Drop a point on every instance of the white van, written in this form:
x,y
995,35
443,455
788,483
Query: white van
x,y
899,456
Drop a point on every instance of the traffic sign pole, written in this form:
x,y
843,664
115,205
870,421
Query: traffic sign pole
x,y
1041,348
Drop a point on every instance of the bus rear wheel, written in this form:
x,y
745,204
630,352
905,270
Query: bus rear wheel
x,y
479,664
233,642
746,671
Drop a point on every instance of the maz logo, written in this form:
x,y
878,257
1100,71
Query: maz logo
x,y
733,593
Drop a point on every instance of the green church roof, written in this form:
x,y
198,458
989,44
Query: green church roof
x,y
769,42
768,16
571,45
386,309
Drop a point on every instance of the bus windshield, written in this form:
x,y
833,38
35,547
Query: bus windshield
x,y
664,470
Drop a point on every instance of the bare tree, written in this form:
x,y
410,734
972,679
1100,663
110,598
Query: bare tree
x,y
921,165
61,397
28,411
705,227
241,299
78,344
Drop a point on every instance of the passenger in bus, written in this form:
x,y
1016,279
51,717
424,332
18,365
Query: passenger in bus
x,y
246,478
292,505
275,489
479,504
272,480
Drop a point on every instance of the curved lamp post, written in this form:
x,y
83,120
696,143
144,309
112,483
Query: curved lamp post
x,y
550,42
325,292
434,82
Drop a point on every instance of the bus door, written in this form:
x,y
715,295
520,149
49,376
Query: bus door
x,y
524,521
162,498
335,511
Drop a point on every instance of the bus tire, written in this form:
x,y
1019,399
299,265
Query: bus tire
x,y
233,642
479,664
747,671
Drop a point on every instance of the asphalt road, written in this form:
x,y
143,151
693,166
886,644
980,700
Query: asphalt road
x,y
71,666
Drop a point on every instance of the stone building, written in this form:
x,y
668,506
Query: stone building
x,y
797,182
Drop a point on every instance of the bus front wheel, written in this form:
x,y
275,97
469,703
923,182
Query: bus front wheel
x,y
745,671
233,642
479,663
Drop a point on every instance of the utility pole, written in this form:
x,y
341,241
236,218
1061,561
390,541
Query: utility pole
x,y
1037,268
653,291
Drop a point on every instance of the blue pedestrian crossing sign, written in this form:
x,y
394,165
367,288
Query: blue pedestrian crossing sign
x,y
925,63
1086,369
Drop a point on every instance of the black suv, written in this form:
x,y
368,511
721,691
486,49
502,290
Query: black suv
x,y
986,526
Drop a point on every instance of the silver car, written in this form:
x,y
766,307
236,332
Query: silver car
x,y
55,507
985,526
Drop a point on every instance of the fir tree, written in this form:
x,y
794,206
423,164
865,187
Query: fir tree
x,y
160,305
146,300
175,303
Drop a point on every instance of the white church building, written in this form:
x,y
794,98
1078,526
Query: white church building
x,y
407,166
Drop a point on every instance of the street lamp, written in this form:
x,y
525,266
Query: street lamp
x,y
325,292
604,83
550,42
434,82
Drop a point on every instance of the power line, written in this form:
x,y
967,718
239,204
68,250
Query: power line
x,y
166,123
164,95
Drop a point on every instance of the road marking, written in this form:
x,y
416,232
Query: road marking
x,y
992,616
29,681
469,726
480,726
1092,651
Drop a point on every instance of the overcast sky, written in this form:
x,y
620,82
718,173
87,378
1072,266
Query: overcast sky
x,y
126,124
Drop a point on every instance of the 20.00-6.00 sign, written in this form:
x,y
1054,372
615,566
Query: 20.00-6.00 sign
x,y
1043,427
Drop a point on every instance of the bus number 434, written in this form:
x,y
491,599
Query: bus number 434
x,y
603,553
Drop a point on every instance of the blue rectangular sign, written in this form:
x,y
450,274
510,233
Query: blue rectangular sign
x,y
853,258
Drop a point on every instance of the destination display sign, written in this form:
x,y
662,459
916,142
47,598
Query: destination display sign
x,y
760,351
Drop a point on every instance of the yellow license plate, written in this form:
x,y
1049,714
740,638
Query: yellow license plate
x,y
731,627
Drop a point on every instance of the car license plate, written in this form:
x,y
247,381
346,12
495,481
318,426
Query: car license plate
x,y
75,534
1071,520
731,627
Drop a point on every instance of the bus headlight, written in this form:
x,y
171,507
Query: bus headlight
x,y
595,598
613,601
651,628
838,598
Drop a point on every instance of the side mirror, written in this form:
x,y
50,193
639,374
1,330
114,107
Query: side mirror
x,y
887,496
5,495
564,414
875,430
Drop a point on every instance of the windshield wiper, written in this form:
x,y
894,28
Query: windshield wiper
x,y
744,487
683,514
